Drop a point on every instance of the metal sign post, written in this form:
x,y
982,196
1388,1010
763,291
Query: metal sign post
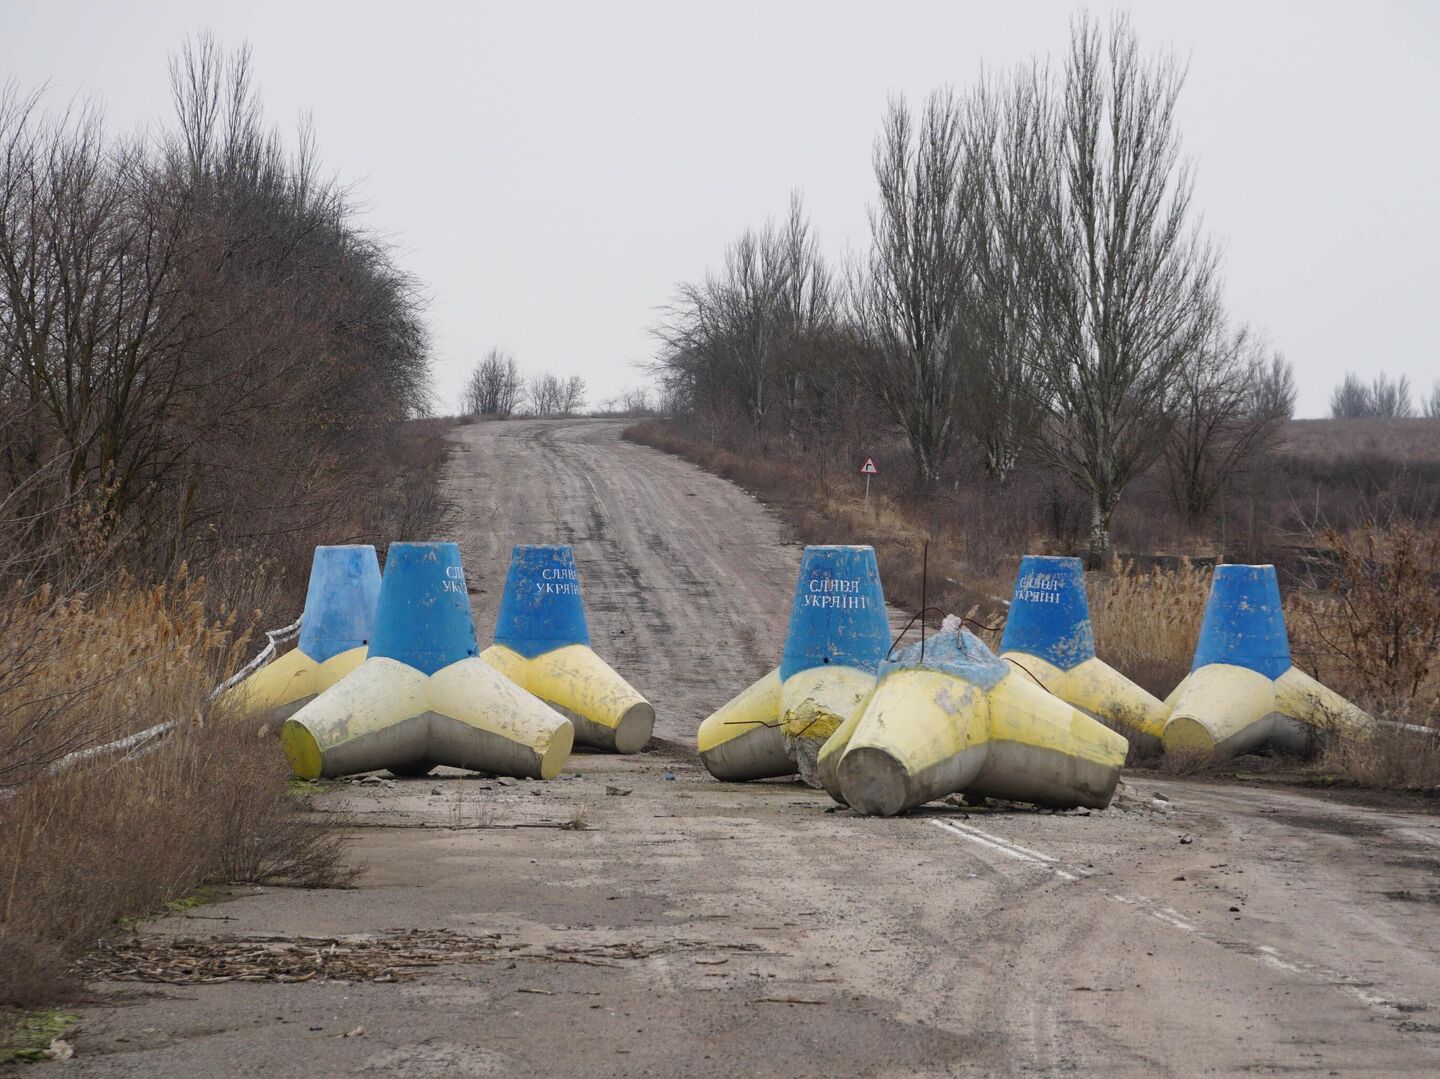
x,y
867,470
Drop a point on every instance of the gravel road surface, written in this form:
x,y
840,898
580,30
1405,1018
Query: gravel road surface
x,y
635,917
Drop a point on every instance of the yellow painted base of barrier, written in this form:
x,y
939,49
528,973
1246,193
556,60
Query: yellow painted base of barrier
x,y
606,710
814,704
1103,693
387,714
925,734
744,739
281,688
1231,710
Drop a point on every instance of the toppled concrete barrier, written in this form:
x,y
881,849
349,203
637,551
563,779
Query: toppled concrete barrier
x,y
542,643
423,697
334,633
1243,692
1048,634
950,717
837,635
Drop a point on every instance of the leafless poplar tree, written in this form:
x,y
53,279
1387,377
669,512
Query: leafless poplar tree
x,y
912,303
1127,287
1432,403
1383,397
1007,123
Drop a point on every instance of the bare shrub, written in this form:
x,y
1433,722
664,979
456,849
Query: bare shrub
x,y
1380,635
1394,757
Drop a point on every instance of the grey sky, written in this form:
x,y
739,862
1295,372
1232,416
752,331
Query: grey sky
x,y
550,171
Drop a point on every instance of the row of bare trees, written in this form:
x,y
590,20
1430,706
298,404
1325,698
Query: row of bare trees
x,y
1036,289
496,388
1382,397
196,334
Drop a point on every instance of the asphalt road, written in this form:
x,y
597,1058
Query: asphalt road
x,y
635,917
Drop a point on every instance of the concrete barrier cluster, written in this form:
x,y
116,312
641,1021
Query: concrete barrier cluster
x,y
1047,721
388,672
838,634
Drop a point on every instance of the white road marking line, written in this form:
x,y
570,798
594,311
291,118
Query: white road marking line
x,y
1263,953
1020,854
1004,841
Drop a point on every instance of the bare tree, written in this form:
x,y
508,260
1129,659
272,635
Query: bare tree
x,y
911,304
1230,400
1351,400
1127,288
1391,397
571,395
1007,123
1432,403
493,388
1383,397
740,338
1272,388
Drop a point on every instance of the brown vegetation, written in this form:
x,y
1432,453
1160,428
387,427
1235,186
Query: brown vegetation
x,y
120,835
207,367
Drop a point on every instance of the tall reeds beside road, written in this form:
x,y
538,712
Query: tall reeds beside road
x,y
86,843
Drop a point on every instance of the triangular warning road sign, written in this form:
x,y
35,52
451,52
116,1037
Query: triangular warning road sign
x,y
868,468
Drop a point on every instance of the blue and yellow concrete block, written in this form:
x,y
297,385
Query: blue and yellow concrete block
x,y
1243,692
423,697
334,633
542,643
837,635
951,717
1048,634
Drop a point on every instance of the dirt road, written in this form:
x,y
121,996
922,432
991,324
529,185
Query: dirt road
x,y
637,918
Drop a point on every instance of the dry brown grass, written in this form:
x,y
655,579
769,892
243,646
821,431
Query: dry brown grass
x,y
117,836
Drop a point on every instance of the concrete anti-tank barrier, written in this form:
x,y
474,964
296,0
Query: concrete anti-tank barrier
x,y
837,635
1048,634
542,643
423,697
334,634
1243,692
951,717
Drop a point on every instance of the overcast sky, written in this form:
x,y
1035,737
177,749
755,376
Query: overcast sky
x,y
549,171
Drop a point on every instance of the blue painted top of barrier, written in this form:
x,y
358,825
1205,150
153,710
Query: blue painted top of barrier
x,y
340,602
961,654
1244,623
423,617
1049,615
542,608
838,613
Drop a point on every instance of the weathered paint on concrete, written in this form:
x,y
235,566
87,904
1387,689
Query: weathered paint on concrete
x,y
838,634
423,698
542,643
335,631
340,601
1048,634
423,615
964,721
1242,692
837,615
1049,613
542,608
